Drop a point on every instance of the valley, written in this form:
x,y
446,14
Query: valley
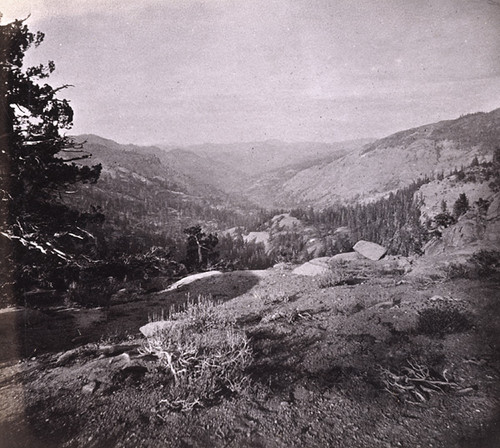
x,y
258,245
249,224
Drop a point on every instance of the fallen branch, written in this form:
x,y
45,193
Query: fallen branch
x,y
416,381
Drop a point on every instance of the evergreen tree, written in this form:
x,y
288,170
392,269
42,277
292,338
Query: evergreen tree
x,y
200,249
461,205
36,160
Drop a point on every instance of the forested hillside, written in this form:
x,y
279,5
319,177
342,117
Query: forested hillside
x,y
148,202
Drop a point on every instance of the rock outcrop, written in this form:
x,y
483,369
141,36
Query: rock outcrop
x,y
372,251
315,267
191,279
153,328
473,231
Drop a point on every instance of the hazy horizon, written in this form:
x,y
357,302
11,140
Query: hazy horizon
x,y
188,72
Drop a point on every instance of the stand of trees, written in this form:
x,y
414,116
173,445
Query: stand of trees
x,y
393,222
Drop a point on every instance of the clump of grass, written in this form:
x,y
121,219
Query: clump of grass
x,y
333,278
204,354
338,278
438,322
273,298
198,314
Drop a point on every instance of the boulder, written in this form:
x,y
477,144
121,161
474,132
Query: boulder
x,y
369,250
153,328
317,266
346,256
89,388
258,237
190,279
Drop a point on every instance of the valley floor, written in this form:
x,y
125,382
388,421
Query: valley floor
x,y
392,361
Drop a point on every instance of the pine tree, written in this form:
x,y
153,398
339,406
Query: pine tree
x,y
461,205
200,249
36,160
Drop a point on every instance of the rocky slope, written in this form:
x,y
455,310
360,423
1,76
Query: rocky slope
x,y
393,361
479,227
395,161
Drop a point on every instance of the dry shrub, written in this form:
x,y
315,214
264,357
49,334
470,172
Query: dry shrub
x,y
338,278
438,322
332,279
415,382
203,353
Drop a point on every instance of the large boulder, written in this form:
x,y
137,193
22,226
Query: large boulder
x,y
258,237
369,250
191,279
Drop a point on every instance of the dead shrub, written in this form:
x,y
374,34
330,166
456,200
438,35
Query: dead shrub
x,y
204,354
415,382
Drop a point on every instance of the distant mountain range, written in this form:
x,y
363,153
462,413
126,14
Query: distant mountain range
x,y
206,181
279,174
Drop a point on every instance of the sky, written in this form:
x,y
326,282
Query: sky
x,y
193,71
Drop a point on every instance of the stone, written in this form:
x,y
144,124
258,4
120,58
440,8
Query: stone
x,y
314,267
370,250
89,388
190,279
153,328
346,256
66,357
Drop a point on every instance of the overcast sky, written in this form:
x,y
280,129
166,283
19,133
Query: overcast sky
x,y
194,71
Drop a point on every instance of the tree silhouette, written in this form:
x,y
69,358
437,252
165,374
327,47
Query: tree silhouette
x,y
37,162
461,205
200,249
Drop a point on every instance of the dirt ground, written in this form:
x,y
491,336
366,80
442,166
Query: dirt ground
x,y
393,361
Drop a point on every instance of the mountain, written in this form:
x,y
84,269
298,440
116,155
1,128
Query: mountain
x,y
205,170
146,199
223,185
254,158
395,161
255,170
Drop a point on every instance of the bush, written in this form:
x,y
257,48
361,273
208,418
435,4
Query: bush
x,y
333,279
339,275
438,322
458,270
486,262
483,263
204,354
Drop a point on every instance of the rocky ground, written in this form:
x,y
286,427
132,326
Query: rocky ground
x,y
385,360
